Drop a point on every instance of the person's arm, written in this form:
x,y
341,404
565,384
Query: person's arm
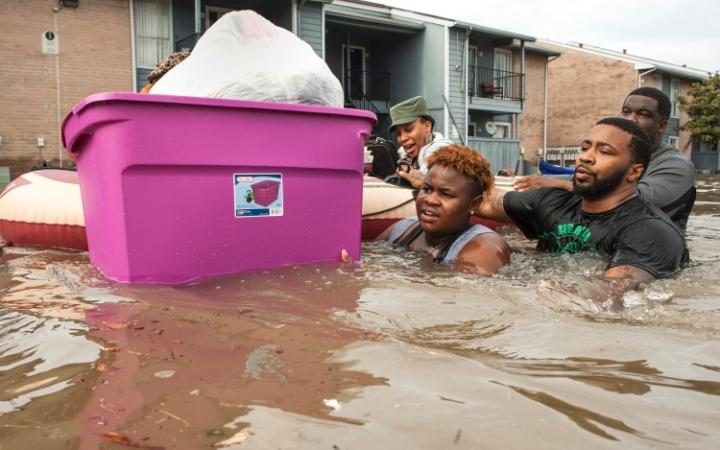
x,y
647,250
492,206
667,181
531,182
607,293
485,254
412,176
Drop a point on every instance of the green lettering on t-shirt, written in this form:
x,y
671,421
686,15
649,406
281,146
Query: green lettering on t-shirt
x,y
568,238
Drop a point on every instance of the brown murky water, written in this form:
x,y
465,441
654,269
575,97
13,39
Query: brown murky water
x,y
389,353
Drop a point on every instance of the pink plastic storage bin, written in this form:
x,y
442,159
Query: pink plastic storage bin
x,y
265,192
159,174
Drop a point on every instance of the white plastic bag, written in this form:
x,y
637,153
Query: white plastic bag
x,y
245,56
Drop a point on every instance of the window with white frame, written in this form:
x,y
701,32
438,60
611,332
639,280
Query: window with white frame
x,y
152,32
674,95
674,141
503,130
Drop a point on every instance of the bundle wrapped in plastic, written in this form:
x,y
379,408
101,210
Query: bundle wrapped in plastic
x,y
245,56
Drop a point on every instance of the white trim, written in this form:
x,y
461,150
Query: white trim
x,y
474,125
132,45
508,128
421,17
446,82
58,86
294,17
674,102
379,8
344,69
639,62
396,13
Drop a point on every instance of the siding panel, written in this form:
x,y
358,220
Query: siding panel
x,y
310,29
457,91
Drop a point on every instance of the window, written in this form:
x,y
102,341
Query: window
x,y
472,127
503,130
504,71
152,32
674,141
674,94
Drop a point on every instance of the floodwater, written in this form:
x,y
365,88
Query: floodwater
x,y
388,353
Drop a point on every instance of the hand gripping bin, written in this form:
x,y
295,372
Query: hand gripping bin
x,y
156,176
265,192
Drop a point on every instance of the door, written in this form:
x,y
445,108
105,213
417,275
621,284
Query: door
x,y
213,13
354,71
503,66
472,59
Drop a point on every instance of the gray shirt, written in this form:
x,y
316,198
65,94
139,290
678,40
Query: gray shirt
x,y
669,184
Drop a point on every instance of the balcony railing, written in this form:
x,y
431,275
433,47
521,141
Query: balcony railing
x,y
501,153
562,156
370,84
187,43
486,82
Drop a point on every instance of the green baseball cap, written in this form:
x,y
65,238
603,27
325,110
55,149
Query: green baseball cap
x,y
409,110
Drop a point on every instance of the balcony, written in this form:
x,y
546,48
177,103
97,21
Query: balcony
x,y
187,43
501,153
495,90
367,89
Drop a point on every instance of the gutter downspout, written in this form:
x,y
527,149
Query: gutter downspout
x,y
545,106
57,95
522,104
198,18
642,74
466,78
132,45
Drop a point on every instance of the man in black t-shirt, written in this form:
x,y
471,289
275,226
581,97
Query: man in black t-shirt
x,y
603,213
668,181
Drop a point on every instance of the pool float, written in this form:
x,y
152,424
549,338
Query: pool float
x,y
43,208
385,204
547,168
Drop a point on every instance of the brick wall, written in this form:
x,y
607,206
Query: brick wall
x,y
532,120
583,88
94,56
685,143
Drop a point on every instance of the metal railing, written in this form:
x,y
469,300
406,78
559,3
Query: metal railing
x,y
501,153
369,84
562,156
187,43
486,82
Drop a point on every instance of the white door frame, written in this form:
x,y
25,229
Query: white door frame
x,y
344,69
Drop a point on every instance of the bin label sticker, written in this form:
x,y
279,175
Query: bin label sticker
x,y
258,194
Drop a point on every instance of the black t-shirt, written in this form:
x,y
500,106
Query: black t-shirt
x,y
632,234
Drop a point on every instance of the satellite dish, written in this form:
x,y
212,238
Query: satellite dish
x,y
491,128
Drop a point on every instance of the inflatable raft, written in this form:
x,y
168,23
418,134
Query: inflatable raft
x,y
44,209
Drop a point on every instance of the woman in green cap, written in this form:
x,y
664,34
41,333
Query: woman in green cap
x,y
413,128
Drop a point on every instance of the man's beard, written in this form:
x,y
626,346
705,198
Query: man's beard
x,y
599,189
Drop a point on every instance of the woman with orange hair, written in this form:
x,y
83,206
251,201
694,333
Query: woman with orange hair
x,y
458,177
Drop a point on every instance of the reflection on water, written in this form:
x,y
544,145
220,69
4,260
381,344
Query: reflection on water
x,y
392,352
